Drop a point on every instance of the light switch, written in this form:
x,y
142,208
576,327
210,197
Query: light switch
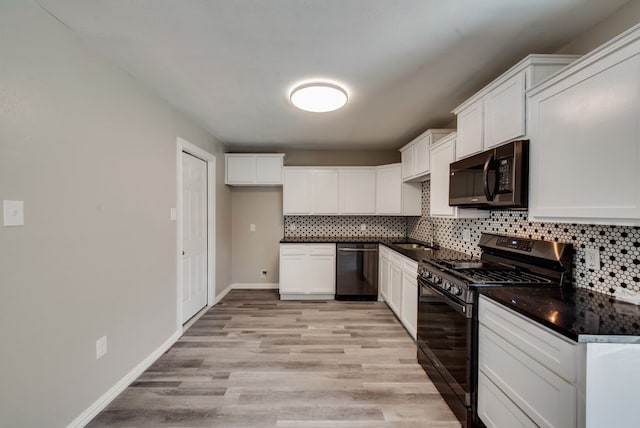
x,y
13,213
172,214
252,227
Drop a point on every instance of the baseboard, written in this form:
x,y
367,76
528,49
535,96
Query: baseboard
x,y
85,417
255,286
223,293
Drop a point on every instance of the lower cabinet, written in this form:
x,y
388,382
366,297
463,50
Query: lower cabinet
x,y
307,271
399,287
527,373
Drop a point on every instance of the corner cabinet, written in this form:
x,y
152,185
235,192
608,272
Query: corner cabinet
x,y
415,155
393,196
253,169
442,154
496,114
585,139
307,271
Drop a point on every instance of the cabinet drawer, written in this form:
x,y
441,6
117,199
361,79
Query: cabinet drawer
x,y
322,249
545,397
293,249
496,410
546,347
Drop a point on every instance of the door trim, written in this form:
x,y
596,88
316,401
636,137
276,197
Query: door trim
x,y
183,145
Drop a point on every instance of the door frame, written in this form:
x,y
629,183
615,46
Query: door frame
x,y
183,145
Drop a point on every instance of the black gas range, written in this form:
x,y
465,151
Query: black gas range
x,y
447,295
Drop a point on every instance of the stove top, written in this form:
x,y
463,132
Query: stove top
x,y
505,261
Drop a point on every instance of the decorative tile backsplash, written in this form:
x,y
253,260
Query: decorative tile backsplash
x,y
344,226
619,245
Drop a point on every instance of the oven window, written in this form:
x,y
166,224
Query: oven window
x,y
444,334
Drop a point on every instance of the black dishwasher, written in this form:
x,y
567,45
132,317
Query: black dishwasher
x,y
357,272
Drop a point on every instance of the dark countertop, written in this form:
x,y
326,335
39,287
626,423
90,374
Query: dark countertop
x,y
580,314
417,255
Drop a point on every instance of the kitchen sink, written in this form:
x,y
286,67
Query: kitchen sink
x,y
412,246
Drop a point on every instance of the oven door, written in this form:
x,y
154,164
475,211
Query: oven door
x,y
445,337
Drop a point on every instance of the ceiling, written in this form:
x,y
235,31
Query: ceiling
x,y
231,64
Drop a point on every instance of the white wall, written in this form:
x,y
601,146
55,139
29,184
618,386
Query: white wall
x,y
92,154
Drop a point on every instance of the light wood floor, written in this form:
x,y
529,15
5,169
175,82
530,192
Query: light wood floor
x,y
256,361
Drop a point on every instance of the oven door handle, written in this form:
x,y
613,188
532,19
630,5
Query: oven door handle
x,y
459,307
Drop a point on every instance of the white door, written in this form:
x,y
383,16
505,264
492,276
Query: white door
x,y
194,235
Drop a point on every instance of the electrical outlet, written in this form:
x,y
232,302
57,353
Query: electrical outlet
x,y
252,227
466,235
263,273
363,227
592,258
292,227
101,347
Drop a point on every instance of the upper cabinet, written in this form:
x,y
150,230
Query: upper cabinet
x,y
442,154
252,169
349,191
585,138
393,197
415,155
496,114
357,191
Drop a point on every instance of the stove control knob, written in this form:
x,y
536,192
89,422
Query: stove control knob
x,y
437,279
427,274
447,286
455,290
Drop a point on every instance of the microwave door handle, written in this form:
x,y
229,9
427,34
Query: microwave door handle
x,y
485,178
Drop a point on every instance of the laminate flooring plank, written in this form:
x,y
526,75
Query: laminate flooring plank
x,y
255,361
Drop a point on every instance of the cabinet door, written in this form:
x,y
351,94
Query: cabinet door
x,y
294,274
395,288
470,131
240,169
297,191
504,112
322,274
410,301
358,191
383,278
441,156
326,191
496,410
389,190
269,169
585,151
408,163
422,148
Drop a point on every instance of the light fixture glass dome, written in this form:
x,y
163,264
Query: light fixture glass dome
x,y
318,97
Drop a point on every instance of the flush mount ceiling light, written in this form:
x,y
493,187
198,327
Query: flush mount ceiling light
x,y
318,97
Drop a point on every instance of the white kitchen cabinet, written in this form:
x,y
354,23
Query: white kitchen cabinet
x,y
416,154
585,150
398,285
409,307
393,196
529,374
253,169
496,114
297,191
470,130
395,284
442,154
325,191
310,191
307,271
514,355
384,266
357,190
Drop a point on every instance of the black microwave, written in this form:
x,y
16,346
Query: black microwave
x,y
496,178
